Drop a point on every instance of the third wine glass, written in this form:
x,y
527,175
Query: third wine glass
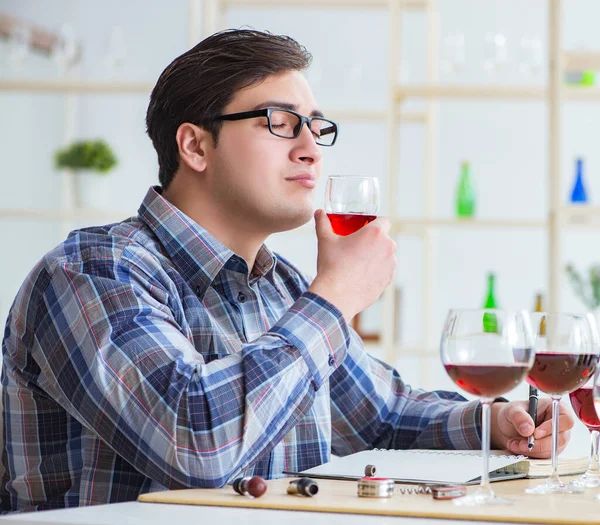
x,y
566,354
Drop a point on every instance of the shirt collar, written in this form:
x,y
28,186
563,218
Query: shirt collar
x,y
198,256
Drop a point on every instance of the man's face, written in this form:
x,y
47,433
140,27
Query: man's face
x,y
266,181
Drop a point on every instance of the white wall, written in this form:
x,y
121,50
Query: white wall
x,y
504,141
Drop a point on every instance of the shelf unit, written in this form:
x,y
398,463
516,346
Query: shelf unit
x,y
207,18
558,216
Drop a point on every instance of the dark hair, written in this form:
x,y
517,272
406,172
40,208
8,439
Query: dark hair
x,y
197,85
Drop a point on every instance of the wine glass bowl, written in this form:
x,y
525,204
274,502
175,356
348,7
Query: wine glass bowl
x,y
351,202
566,354
582,401
486,353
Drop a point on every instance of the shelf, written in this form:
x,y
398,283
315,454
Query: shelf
x,y
406,225
580,216
470,91
400,350
109,87
354,114
75,86
581,60
399,226
373,114
584,93
454,91
406,4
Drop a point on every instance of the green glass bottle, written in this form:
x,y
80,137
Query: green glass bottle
x,y
490,321
465,194
490,300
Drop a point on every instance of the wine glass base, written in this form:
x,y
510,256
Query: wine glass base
x,y
586,482
482,498
547,488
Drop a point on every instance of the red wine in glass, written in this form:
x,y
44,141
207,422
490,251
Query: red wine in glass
x,y
582,401
487,381
559,373
347,223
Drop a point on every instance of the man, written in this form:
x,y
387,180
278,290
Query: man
x,y
175,350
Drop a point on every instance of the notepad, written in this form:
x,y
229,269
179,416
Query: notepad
x,y
432,466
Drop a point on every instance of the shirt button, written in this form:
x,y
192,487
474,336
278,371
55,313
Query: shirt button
x,y
314,385
198,290
331,361
241,297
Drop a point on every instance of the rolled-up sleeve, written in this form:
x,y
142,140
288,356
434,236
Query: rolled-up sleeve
x,y
372,407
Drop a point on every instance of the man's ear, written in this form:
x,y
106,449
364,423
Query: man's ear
x,y
192,142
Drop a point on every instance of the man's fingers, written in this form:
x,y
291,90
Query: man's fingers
x,y
565,422
383,223
323,225
542,447
518,417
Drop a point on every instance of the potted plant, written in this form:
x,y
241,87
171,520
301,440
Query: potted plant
x,y
88,155
587,288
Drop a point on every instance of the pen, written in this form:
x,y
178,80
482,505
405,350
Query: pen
x,y
533,403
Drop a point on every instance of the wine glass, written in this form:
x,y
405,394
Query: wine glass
x,y
486,353
351,202
65,48
453,53
566,354
531,59
582,401
495,54
18,45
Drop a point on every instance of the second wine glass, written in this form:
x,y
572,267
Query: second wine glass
x,y
486,353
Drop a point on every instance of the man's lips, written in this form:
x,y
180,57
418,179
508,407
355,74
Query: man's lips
x,y
305,179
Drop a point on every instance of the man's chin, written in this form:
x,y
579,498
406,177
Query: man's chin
x,y
292,222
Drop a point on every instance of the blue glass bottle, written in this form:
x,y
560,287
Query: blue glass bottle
x,y
579,194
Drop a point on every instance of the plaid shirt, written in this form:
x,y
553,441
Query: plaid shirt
x,y
144,355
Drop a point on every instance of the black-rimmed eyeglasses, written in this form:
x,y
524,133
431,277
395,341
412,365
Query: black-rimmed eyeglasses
x,y
288,124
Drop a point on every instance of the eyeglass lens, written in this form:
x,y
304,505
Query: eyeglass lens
x,y
286,124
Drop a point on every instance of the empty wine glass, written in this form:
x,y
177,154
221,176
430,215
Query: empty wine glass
x,y
64,50
453,53
486,353
566,354
495,53
351,202
18,45
117,51
530,62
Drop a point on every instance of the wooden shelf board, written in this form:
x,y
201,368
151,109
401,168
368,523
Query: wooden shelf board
x,y
433,91
581,60
75,86
470,91
407,4
582,216
373,114
482,92
407,224
401,350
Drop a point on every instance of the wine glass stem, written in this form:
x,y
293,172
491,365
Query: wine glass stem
x,y
593,467
554,479
485,444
